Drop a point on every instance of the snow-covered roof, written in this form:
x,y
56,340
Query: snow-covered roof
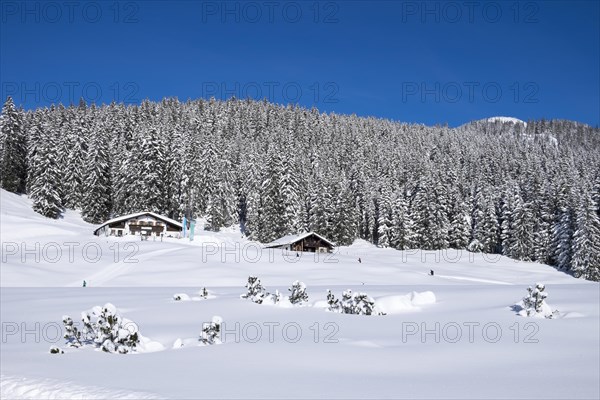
x,y
139,214
289,239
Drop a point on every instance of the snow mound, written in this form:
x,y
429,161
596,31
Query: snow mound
x,y
545,311
402,303
12,387
147,345
181,297
187,297
422,298
320,304
284,303
362,244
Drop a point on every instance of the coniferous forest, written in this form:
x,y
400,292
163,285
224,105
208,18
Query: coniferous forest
x,y
528,191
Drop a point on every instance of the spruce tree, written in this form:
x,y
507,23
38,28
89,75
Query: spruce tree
x,y
585,248
96,204
44,173
13,149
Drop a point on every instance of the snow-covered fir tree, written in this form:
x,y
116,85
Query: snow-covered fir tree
x,y
298,293
96,199
333,304
585,247
44,174
255,291
13,149
105,328
534,304
211,331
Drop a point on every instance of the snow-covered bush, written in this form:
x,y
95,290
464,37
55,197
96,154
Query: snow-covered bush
x,y
105,328
255,291
181,297
259,294
347,303
274,298
298,293
333,303
115,334
56,350
211,331
202,295
72,334
363,304
534,304
357,303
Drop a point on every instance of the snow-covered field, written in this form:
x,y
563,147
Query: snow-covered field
x,y
451,335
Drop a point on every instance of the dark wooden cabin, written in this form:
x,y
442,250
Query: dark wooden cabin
x,y
310,242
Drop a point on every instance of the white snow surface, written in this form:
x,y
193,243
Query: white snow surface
x,y
451,335
507,119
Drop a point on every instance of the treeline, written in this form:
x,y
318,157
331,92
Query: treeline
x,y
528,191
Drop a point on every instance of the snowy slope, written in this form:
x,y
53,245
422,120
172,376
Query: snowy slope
x,y
42,252
451,335
507,120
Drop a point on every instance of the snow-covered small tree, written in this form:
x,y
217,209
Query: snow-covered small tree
x,y
108,331
352,303
298,293
211,331
272,298
363,304
333,303
276,297
115,334
256,292
534,304
72,334
347,302
204,293
88,332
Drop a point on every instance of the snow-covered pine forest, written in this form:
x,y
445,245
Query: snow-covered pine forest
x,y
528,191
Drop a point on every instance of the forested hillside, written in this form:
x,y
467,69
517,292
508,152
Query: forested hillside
x,y
529,191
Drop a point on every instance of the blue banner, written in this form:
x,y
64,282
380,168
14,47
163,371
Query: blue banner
x,y
184,223
192,228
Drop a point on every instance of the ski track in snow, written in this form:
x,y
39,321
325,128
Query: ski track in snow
x,y
113,270
463,278
26,388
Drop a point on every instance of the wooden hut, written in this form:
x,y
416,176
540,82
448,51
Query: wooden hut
x,y
144,223
310,242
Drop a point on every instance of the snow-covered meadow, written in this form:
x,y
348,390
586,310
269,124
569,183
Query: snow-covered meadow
x,y
451,335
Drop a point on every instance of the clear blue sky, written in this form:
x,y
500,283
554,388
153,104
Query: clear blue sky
x,y
429,62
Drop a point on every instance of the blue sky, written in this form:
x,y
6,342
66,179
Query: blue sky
x,y
427,62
